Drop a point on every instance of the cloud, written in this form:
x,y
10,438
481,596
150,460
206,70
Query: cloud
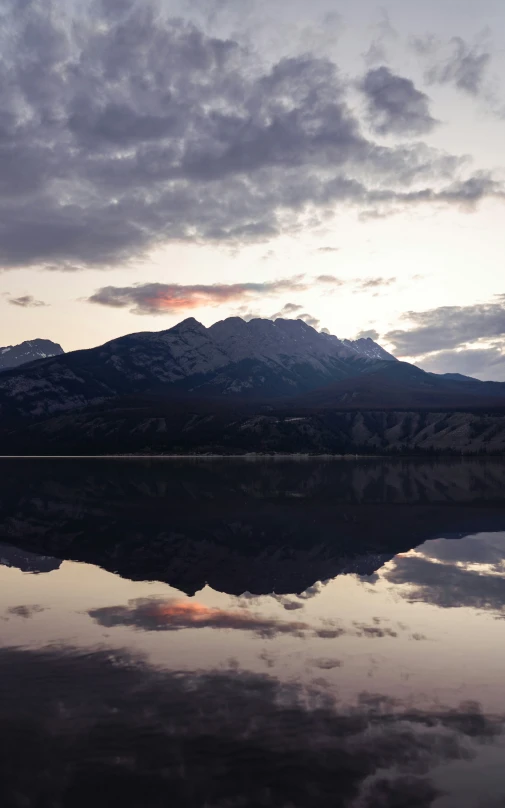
x,y
164,298
449,327
394,104
385,34
328,249
330,279
370,334
289,308
294,309
483,363
124,130
465,66
375,283
314,322
26,302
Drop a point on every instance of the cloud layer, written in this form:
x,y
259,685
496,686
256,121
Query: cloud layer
x,y
123,130
164,298
469,339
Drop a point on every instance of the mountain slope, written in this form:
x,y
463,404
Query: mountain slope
x,y
258,359
398,385
263,528
160,425
15,355
372,350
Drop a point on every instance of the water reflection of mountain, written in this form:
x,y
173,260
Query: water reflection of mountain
x,y
260,526
27,562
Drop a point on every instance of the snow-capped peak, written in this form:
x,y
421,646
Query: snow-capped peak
x,y
365,346
15,355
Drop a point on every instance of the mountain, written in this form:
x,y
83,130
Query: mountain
x,y
258,359
27,562
399,384
372,350
260,527
15,355
197,389
159,424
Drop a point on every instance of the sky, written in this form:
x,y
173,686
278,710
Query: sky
x,y
339,162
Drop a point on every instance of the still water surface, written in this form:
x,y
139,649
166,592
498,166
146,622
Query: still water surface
x,y
268,633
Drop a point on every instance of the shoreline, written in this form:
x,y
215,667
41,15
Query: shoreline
x,y
255,456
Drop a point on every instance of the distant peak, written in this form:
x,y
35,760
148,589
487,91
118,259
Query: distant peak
x,y
189,324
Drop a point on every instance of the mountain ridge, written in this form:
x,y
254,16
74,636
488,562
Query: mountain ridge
x,y
12,356
258,358
215,390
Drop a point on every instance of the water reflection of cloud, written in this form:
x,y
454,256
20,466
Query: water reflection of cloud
x,y
447,585
76,727
154,614
326,664
488,549
173,615
26,611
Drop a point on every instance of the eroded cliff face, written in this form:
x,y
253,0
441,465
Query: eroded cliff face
x,y
162,428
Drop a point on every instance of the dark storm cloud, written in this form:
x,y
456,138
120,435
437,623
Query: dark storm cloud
x,y
395,105
26,302
122,130
77,727
163,298
449,327
414,792
447,586
465,67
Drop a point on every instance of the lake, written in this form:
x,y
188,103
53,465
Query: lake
x,y
237,633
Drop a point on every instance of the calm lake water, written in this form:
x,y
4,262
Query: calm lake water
x,y
238,634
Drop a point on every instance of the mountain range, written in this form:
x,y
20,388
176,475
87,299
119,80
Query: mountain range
x,y
228,387
274,526
255,359
14,356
